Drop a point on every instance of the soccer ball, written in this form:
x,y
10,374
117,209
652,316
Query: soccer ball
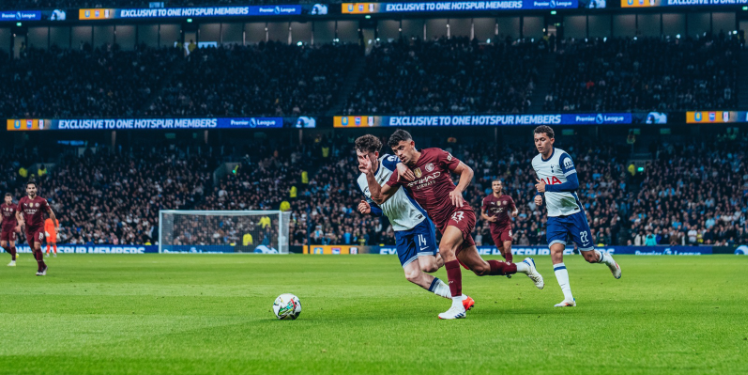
x,y
287,306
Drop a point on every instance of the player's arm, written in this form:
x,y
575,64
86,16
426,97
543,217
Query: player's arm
x,y
393,163
466,176
19,218
513,206
379,194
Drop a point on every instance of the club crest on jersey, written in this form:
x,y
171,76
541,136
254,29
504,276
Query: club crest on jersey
x,y
503,202
430,167
417,172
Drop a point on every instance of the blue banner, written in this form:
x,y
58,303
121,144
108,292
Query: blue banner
x,y
140,124
494,120
217,249
21,15
458,6
95,249
621,250
227,11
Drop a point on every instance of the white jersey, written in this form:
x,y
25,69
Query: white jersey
x,y
401,209
555,171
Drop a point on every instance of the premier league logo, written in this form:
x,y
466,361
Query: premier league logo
x,y
697,116
252,122
277,10
553,3
599,118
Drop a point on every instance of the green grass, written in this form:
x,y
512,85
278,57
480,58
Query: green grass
x,y
190,314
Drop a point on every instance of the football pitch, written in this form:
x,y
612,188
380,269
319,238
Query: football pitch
x,y
194,314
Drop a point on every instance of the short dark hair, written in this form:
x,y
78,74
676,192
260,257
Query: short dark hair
x,y
8,195
30,183
398,136
368,143
545,129
497,180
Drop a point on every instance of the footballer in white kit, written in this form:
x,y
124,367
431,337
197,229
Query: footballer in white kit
x,y
415,234
557,186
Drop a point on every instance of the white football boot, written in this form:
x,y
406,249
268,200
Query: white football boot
x,y
566,303
12,263
533,273
615,269
457,311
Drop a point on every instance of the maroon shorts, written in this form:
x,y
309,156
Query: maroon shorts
x,y
501,233
8,235
464,220
35,235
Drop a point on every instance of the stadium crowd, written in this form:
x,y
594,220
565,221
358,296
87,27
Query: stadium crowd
x,y
405,77
690,194
84,82
266,79
453,75
646,74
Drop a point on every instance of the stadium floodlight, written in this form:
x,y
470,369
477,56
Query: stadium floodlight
x,y
196,231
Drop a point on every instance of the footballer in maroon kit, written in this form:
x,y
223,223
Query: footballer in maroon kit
x,y
9,226
435,191
30,214
498,209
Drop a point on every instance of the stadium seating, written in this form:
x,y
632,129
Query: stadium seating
x,y
447,76
646,74
687,195
267,79
85,82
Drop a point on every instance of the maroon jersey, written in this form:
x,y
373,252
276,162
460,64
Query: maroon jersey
x,y
433,184
9,216
500,207
33,211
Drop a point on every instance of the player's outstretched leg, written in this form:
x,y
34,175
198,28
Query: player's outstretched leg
x,y
595,256
472,259
11,249
414,272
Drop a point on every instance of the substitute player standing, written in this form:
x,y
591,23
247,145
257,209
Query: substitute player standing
x,y
9,226
30,215
50,230
414,232
557,185
435,191
498,209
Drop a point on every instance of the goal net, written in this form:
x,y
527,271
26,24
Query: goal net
x,y
223,231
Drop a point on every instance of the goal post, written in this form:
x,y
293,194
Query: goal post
x,y
197,231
